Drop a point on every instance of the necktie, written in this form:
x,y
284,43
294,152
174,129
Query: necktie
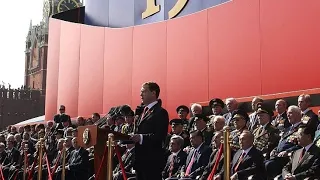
x,y
191,163
239,162
302,154
171,165
145,110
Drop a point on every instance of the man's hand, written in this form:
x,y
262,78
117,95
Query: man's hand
x,y
234,177
290,177
217,177
136,138
273,153
283,154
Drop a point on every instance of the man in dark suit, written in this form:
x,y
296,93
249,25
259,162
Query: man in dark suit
x,y
176,159
198,157
305,162
150,133
308,116
281,119
128,159
287,144
247,161
216,142
77,165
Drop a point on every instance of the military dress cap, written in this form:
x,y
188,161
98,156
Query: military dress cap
x,y
240,113
201,116
216,102
176,122
262,108
184,107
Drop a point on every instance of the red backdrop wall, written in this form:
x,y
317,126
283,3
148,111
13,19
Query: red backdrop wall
x,y
236,49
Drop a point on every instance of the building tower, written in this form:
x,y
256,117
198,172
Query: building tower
x,y
37,44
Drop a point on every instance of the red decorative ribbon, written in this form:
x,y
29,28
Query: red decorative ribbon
x,y
216,163
48,167
1,173
102,162
124,175
56,164
30,176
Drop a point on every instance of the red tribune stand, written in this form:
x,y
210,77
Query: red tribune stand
x,y
89,136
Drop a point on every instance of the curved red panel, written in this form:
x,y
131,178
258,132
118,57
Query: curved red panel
x,y
117,67
68,85
234,49
53,69
187,60
91,70
290,45
149,59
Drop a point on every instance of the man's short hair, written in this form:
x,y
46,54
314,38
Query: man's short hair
x,y
153,87
179,140
197,133
307,130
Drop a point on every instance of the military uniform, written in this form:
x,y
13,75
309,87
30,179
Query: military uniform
x,y
127,129
235,135
317,138
281,121
266,138
310,119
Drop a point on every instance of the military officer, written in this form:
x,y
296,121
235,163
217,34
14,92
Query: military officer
x,y
308,116
266,136
201,125
183,112
177,129
217,106
239,119
129,126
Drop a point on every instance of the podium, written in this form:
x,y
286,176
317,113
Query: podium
x,y
97,137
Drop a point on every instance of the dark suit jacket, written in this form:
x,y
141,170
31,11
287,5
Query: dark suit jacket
x,y
178,162
154,129
281,119
79,164
309,166
12,158
286,143
252,164
312,119
128,161
209,167
201,160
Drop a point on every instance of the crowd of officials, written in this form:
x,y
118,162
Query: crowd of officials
x,y
264,145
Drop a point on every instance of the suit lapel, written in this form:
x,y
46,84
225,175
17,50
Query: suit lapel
x,y
236,158
149,113
296,158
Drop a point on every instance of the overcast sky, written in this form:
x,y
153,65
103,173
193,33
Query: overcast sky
x,y
15,20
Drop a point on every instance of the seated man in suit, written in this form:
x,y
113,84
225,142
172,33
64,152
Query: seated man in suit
x,y
77,165
216,142
305,162
287,144
128,160
176,159
248,161
198,157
